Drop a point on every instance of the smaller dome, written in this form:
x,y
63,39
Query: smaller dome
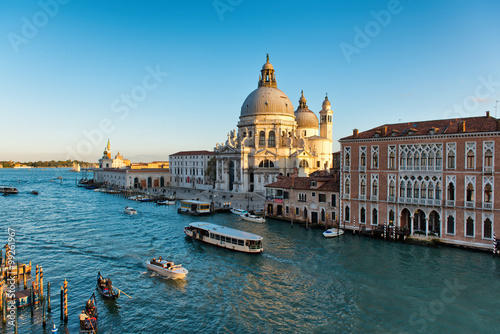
x,y
267,66
303,98
306,119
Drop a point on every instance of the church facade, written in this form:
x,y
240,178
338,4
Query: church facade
x,y
273,139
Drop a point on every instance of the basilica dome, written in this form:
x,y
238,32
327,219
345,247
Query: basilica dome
x,y
267,101
305,118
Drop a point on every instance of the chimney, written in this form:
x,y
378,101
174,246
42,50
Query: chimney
x,y
487,113
384,131
461,126
355,133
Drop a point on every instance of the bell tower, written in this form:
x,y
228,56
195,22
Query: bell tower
x,y
326,117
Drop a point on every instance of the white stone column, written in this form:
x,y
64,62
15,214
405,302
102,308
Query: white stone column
x,y
411,224
426,226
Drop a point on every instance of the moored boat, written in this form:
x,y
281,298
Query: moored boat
x,y
226,237
333,232
166,268
252,218
166,202
195,208
130,211
238,212
105,287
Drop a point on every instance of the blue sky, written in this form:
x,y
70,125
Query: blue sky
x,y
187,66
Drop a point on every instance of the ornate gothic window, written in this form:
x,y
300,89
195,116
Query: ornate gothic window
x,y
450,225
487,229
347,213
374,217
362,216
470,193
469,227
451,192
488,193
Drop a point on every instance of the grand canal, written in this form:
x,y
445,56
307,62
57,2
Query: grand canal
x,y
302,283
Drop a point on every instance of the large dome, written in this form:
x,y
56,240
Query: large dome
x,y
267,101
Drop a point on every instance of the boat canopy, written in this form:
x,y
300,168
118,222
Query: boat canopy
x,y
226,231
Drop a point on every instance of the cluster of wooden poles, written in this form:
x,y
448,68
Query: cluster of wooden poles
x,y
36,295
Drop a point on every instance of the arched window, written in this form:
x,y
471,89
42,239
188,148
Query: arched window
x,y
262,138
392,188
391,217
416,191
450,225
375,160
347,213
303,164
488,159
423,161
362,216
470,193
438,191
348,159
487,229
271,141
430,161
409,161
409,189
402,189
162,181
439,160
347,186
423,190
430,191
488,193
362,188
416,160
451,192
375,188
363,159
374,217
402,161
136,183
470,159
469,227
392,161
451,160
266,163
150,182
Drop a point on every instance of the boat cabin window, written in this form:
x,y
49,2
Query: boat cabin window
x,y
217,237
222,238
240,242
234,241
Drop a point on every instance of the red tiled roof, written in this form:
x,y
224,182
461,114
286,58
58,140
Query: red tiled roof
x,y
329,183
440,126
193,153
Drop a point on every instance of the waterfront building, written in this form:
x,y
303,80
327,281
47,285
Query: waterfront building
x,y
273,139
188,169
433,178
314,199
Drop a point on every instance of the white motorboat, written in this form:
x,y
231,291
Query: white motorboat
x,y
333,232
167,268
130,211
238,212
166,202
252,218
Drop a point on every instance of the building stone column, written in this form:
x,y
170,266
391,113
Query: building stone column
x,y
426,226
411,224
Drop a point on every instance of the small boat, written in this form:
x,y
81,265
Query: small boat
x,y
105,287
34,192
252,218
8,190
333,232
238,212
166,268
130,211
89,325
166,202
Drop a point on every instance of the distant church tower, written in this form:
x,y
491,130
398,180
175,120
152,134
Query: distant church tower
x,y
107,151
326,116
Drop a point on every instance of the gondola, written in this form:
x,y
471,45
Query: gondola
x,y
89,325
105,288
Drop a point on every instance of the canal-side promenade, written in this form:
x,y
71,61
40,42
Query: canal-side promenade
x,y
302,282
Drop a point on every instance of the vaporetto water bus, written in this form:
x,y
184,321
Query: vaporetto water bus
x,y
195,208
225,237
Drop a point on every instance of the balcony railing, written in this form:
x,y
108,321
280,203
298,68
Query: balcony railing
x,y
438,167
391,199
469,204
430,202
362,197
374,198
401,200
346,196
415,201
488,169
437,202
450,202
487,205
408,200
422,201
347,168
362,168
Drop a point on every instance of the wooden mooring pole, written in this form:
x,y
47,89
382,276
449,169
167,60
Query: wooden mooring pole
x,y
48,297
40,287
24,277
65,301
32,297
62,304
44,321
4,307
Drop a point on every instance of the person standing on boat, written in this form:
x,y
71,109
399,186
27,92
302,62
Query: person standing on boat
x,y
110,286
83,317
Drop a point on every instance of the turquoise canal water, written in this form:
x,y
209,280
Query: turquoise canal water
x,y
302,283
